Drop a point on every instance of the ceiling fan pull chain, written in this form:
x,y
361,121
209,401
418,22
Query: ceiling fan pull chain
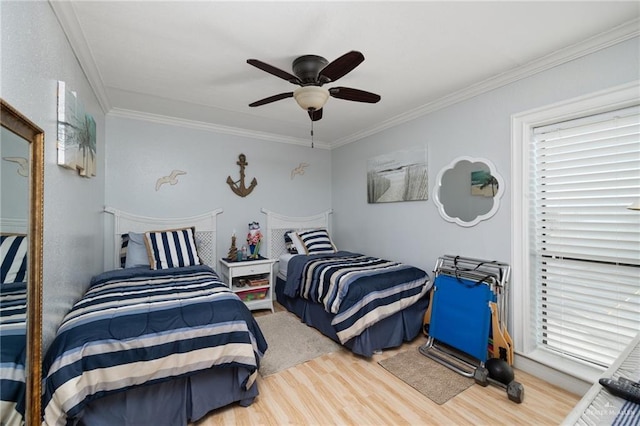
x,y
311,133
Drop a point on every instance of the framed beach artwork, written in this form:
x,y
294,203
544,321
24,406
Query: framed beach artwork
x,y
398,176
76,134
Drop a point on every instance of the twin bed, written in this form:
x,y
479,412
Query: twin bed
x,y
153,346
166,342
365,303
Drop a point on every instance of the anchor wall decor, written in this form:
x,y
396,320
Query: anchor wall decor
x,y
240,189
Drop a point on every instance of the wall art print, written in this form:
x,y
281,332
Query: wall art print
x,y
483,184
398,176
76,134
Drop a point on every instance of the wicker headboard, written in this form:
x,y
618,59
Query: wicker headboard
x,y
205,235
278,224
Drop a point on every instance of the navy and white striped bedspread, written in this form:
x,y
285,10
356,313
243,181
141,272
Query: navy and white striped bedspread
x,y
13,308
360,290
140,326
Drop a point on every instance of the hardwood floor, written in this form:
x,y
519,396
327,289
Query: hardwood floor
x,y
344,389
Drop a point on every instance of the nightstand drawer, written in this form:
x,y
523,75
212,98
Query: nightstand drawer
x,y
239,271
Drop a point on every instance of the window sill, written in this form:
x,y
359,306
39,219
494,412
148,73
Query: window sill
x,y
561,371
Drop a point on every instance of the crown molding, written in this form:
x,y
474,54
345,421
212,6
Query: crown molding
x,y
612,37
215,128
68,20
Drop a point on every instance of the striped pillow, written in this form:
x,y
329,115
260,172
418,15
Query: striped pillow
x,y
13,254
171,248
288,242
124,238
316,241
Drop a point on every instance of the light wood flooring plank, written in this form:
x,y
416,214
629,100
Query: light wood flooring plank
x,y
344,389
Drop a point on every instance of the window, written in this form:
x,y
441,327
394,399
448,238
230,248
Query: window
x,y
576,251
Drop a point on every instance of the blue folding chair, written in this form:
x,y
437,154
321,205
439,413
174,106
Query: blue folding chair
x,y
460,324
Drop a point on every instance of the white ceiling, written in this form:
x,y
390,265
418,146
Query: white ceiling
x,y
187,59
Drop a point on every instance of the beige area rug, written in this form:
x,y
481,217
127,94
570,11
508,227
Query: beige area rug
x,y
291,342
433,380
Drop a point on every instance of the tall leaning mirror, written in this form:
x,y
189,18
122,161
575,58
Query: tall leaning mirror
x,y
21,222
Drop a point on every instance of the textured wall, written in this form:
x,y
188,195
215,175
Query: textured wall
x,y
479,127
139,152
35,55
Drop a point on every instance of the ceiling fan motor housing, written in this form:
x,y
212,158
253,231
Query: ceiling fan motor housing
x,y
312,72
308,67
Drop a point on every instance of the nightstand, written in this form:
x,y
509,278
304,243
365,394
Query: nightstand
x,y
251,280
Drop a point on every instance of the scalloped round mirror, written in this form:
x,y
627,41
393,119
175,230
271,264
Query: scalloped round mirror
x,y
468,190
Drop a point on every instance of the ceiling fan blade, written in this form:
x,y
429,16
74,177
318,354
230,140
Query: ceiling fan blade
x,y
356,95
272,99
315,115
341,66
274,71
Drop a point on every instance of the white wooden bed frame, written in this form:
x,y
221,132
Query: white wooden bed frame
x,y
205,234
278,224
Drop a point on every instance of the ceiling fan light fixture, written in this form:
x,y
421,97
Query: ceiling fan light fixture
x,y
311,97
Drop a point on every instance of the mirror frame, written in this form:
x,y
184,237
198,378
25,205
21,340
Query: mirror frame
x,y
14,121
496,198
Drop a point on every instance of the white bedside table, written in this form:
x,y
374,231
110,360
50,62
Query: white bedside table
x,y
256,296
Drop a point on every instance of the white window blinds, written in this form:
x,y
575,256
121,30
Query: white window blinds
x,y
585,242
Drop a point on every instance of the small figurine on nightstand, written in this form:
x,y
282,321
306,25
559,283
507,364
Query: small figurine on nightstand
x,y
253,238
233,251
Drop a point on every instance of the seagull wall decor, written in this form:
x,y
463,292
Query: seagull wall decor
x,y
172,179
299,170
23,165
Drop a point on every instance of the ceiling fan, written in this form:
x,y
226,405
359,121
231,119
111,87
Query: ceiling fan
x,y
311,72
